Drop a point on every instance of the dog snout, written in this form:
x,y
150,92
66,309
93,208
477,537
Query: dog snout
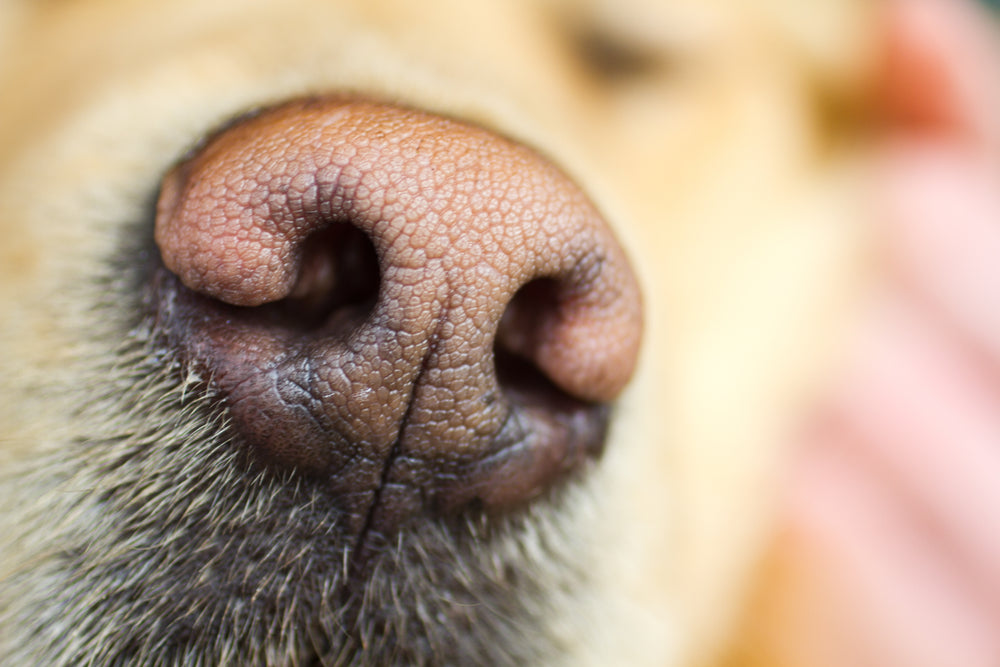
x,y
412,312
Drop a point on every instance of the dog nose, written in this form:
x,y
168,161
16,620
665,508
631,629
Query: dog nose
x,y
413,313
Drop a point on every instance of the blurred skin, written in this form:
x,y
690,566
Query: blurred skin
x,y
889,554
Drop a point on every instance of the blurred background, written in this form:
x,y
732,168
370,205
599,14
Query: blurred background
x,y
888,549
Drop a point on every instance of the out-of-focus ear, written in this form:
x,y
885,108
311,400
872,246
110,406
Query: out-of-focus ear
x,y
942,70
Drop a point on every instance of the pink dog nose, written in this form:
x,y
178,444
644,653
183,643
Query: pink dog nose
x,y
417,313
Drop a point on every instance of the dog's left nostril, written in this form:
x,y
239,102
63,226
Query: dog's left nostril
x,y
338,274
416,314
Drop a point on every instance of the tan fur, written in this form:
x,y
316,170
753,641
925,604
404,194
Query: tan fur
x,y
729,169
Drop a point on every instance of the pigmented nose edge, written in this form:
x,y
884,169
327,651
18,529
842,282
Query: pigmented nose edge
x,y
415,313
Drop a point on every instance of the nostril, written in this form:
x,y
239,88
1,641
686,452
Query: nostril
x,y
521,336
528,316
337,282
415,314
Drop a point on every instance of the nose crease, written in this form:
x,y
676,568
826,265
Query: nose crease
x,y
461,223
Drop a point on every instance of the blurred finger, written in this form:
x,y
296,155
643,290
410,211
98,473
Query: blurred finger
x,y
942,72
943,224
931,419
891,599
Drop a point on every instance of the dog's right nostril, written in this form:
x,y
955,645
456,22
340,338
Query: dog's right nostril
x,y
418,313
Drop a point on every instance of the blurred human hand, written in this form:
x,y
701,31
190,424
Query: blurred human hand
x,y
892,519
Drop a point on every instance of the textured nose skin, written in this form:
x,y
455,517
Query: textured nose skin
x,y
413,312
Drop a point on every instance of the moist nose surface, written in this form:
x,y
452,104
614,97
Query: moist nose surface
x,y
412,312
